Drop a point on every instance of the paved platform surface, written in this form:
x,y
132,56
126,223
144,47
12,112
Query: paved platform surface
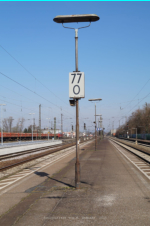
x,y
24,146
113,192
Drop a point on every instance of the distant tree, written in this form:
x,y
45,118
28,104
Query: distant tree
x,y
20,124
25,130
15,129
29,129
139,119
7,124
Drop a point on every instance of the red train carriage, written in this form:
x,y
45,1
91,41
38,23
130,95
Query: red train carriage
x,y
27,136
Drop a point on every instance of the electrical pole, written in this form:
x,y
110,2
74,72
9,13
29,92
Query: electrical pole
x,y
48,126
40,119
62,124
97,99
55,128
101,125
2,123
32,124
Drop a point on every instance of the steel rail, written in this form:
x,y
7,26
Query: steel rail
x,y
13,155
142,154
134,139
133,142
46,152
35,157
17,154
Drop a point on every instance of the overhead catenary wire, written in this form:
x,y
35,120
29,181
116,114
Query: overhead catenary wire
x,y
31,74
31,91
22,96
35,80
139,102
138,92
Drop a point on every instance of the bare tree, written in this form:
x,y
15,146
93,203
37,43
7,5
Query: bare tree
x,y
10,122
139,119
7,124
19,126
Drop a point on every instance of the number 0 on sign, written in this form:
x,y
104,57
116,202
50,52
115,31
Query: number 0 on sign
x,y
76,85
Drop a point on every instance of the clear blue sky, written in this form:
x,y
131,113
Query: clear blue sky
x,y
114,53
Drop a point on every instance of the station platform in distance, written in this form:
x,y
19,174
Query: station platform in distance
x,y
15,147
113,190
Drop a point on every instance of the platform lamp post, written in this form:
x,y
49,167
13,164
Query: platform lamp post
x,y
100,124
97,99
2,122
76,79
32,124
136,135
130,133
101,132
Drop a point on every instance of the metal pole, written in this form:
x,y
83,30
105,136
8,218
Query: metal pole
x,y
136,135
2,123
32,124
48,129
62,124
101,126
54,128
77,164
40,119
32,127
20,131
95,128
76,48
1,127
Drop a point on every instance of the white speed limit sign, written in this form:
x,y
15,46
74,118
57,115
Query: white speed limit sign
x,y
76,85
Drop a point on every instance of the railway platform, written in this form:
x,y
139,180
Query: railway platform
x,y
113,192
10,148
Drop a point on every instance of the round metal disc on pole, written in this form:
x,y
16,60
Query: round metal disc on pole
x,y
76,18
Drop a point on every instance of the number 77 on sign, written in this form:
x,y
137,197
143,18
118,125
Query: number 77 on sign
x,y
76,85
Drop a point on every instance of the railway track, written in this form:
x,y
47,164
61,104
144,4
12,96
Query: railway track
x,y
140,159
16,159
16,174
139,150
133,142
140,141
21,153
